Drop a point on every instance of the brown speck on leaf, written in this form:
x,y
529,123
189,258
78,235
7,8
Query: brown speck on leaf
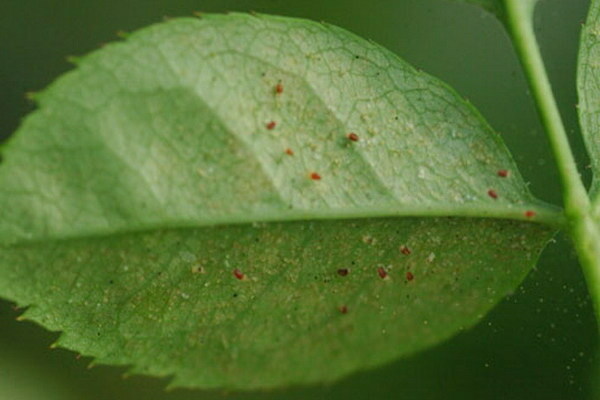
x,y
343,309
503,173
382,273
315,177
368,239
271,125
409,276
343,271
493,194
279,88
405,250
289,152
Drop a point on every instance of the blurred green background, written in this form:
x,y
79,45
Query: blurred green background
x,y
540,343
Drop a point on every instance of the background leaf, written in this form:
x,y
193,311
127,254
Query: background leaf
x,y
494,6
187,124
527,347
589,91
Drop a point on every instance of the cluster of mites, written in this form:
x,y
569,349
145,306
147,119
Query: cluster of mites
x,y
353,137
381,272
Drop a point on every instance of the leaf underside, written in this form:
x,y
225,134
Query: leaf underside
x,y
190,203
168,300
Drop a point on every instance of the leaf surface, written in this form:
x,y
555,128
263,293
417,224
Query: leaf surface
x,y
250,201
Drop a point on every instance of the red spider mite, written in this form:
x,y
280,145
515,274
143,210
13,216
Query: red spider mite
x,y
238,274
315,177
289,152
342,271
530,214
409,276
344,309
493,194
382,272
279,88
271,125
405,250
353,137
503,173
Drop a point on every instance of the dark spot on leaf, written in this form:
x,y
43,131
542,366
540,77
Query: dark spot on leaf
x,y
271,125
315,177
343,309
289,152
279,88
382,272
493,194
342,271
503,173
409,276
405,250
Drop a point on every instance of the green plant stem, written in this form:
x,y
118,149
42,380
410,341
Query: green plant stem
x,y
584,232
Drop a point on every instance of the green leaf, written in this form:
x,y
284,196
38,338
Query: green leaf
x,y
588,84
150,209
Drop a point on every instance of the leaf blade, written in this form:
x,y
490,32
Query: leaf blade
x,y
272,182
247,334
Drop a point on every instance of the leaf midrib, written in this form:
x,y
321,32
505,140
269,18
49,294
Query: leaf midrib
x,y
546,214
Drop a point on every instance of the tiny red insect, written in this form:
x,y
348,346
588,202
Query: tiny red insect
x,y
405,250
353,137
493,194
530,214
315,177
342,271
271,125
409,276
238,274
289,152
343,309
279,88
382,272
503,173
